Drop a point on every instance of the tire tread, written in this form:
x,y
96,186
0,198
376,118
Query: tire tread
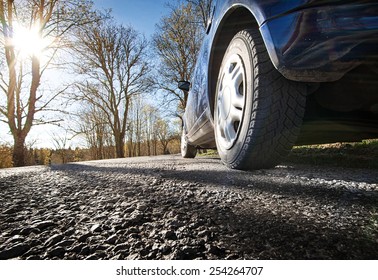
x,y
277,112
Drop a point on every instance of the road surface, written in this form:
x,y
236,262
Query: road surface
x,y
167,207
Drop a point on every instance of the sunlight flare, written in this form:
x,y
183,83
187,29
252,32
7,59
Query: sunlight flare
x,y
28,41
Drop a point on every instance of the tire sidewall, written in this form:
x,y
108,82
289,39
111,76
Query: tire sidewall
x,y
241,47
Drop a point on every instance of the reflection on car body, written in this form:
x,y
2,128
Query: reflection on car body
x,y
271,74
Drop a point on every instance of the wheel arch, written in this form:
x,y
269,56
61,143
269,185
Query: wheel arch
x,y
234,20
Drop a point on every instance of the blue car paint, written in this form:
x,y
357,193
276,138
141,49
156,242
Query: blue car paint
x,y
321,44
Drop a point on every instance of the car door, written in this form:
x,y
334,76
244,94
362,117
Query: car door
x,y
196,115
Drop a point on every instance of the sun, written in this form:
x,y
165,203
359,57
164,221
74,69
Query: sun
x,y
28,41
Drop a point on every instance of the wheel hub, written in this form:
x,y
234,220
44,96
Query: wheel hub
x,y
230,101
225,103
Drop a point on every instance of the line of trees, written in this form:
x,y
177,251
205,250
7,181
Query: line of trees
x,y
113,69
114,77
147,133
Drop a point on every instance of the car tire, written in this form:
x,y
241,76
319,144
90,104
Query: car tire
x,y
187,150
258,113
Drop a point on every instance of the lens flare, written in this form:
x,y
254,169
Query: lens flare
x,y
28,42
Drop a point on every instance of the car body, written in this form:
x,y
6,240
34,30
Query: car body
x,y
324,49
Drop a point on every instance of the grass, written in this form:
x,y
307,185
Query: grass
x,y
354,155
207,153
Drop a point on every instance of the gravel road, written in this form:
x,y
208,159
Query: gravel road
x,y
167,207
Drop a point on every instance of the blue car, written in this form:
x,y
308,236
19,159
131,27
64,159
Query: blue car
x,y
272,74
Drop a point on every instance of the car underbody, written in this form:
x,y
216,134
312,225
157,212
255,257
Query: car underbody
x,y
342,111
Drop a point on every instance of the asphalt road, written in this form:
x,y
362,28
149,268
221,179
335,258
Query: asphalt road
x,y
167,207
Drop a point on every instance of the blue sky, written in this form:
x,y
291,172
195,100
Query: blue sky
x,y
141,14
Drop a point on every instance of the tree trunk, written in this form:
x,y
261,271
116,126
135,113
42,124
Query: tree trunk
x,y
165,147
101,150
19,151
120,149
155,147
139,149
130,148
148,147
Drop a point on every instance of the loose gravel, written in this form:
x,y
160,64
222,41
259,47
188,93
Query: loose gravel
x,y
171,208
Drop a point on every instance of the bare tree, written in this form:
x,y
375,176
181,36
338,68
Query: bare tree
x,y
112,59
165,133
138,123
142,133
93,125
60,142
176,41
204,9
44,24
150,115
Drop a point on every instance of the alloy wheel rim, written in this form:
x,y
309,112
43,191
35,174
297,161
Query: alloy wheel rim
x,y
230,101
